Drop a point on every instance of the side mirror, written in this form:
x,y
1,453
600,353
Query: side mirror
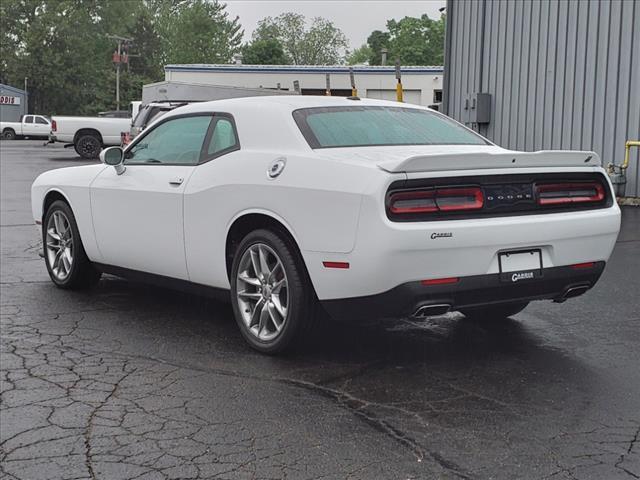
x,y
113,156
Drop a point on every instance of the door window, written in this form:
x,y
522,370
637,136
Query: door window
x,y
177,142
223,137
28,119
41,121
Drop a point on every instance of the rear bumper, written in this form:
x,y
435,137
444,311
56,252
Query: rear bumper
x,y
404,300
388,254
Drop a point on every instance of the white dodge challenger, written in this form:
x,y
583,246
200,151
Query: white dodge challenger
x,y
365,208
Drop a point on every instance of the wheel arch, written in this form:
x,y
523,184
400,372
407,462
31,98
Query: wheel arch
x,y
87,131
8,129
51,196
247,221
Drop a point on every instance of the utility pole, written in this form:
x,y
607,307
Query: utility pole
x,y
118,60
26,96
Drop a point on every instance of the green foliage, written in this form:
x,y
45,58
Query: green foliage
x,y
360,56
63,47
415,41
376,42
321,44
264,52
200,32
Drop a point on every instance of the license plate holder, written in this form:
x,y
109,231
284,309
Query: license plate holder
x,y
520,265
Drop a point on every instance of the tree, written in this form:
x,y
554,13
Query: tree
x,y
321,44
63,47
200,31
360,56
147,59
376,42
415,41
264,52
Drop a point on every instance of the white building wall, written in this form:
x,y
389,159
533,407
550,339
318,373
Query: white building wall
x,y
419,83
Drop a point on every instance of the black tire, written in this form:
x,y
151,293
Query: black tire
x,y
302,303
494,312
88,146
9,134
82,273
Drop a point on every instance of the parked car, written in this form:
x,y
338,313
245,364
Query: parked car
x,y
368,208
88,135
147,114
32,126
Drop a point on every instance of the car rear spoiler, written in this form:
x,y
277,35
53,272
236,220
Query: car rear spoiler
x,y
484,160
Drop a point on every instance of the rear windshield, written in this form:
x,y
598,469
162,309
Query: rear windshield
x,y
326,127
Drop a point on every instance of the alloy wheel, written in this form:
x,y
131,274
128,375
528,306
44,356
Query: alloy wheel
x,y
59,245
262,292
89,147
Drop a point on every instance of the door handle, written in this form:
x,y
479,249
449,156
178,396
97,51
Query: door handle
x,y
176,181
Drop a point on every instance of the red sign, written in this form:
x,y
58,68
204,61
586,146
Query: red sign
x,y
6,100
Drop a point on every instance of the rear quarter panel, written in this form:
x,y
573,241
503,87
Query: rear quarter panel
x,y
318,201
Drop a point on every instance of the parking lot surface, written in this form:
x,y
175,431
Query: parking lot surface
x,y
130,381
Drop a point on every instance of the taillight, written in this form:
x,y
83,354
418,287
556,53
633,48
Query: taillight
x,y
54,126
437,200
452,199
564,193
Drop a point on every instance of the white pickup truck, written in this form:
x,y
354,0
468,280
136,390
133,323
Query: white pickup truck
x,y
88,135
32,126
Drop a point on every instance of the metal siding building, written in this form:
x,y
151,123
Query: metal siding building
x,y
13,103
562,74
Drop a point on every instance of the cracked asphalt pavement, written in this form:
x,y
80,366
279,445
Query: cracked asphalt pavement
x,y
129,381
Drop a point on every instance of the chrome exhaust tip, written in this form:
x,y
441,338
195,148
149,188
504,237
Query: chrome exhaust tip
x,y
573,292
432,310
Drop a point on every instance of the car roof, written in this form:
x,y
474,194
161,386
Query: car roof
x,y
289,102
266,122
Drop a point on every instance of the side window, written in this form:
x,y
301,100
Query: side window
x,y
223,137
177,141
28,119
41,121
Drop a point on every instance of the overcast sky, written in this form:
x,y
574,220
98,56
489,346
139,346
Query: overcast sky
x,y
357,19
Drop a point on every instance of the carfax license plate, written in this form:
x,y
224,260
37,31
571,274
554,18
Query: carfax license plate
x,y
520,265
